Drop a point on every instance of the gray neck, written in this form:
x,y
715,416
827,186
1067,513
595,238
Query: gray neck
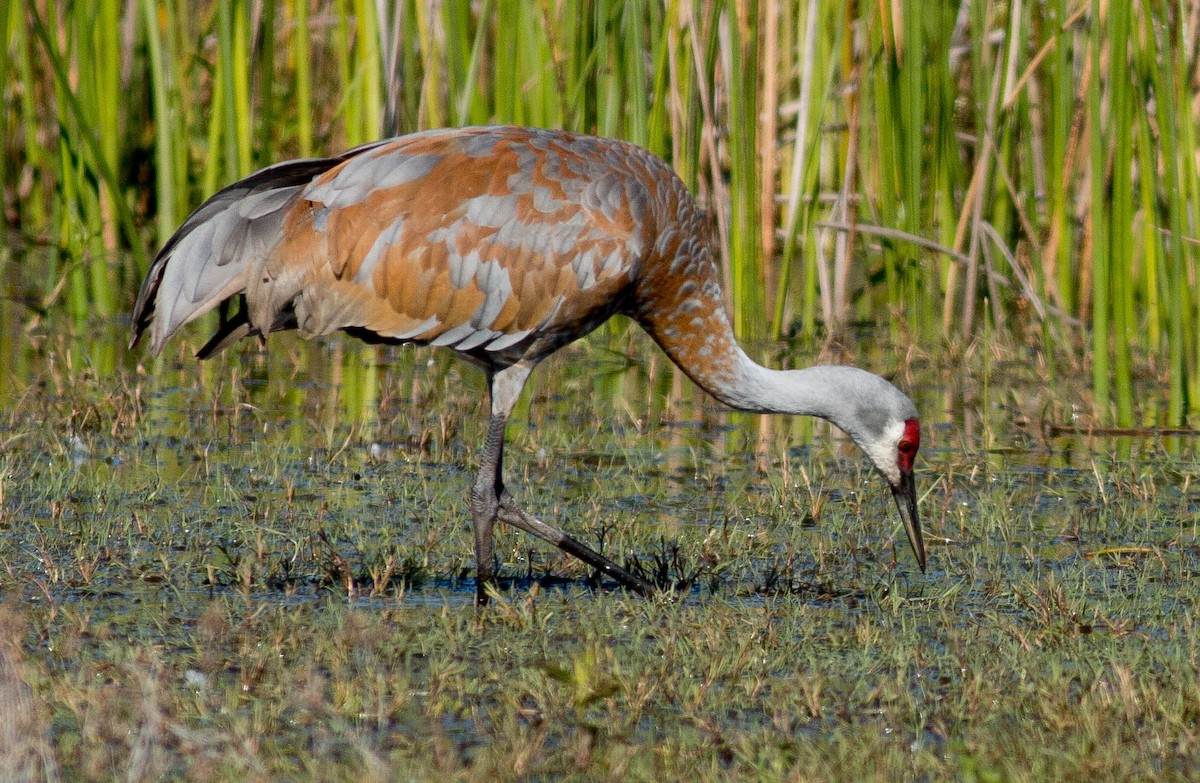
x,y
854,400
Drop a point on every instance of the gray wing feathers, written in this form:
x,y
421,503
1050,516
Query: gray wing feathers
x,y
228,236
208,265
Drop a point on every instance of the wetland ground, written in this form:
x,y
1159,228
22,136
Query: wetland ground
x,y
259,568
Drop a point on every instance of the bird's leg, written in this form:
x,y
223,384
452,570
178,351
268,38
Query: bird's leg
x,y
490,500
514,515
504,388
484,502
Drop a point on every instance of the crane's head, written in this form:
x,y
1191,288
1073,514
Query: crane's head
x,y
892,448
904,490
883,422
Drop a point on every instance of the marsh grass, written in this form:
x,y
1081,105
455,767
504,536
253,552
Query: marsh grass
x,y
927,166
212,575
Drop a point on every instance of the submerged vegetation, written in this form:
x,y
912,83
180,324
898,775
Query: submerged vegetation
x,y
930,166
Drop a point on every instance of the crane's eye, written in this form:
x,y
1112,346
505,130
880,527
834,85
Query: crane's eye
x,y
907,447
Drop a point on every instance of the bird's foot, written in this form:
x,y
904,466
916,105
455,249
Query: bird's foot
x,y
516,516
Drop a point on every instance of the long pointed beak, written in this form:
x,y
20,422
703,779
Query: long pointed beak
x,y
905,493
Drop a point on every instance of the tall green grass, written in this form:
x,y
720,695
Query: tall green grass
x,y
897,164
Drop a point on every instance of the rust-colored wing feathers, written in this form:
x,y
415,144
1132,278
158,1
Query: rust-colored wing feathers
x,y
500,240
476,246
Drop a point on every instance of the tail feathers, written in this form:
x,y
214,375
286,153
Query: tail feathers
x,y
208,259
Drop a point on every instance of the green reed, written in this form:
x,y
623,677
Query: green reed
x,y
868,162
301,45
89,211
164,141
738,61
1098,228
1162,74
234,45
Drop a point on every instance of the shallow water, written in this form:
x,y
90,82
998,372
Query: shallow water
x,y
369,450
269,554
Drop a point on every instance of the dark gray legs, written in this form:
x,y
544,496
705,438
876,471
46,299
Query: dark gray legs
x,y
490,501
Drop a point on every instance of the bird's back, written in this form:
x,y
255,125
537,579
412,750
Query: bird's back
x,y
504,243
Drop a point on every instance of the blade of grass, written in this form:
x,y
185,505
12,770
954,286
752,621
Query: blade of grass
x,y
169,212
739,60
1165,66
268,119
1122,274
302,48
1099,226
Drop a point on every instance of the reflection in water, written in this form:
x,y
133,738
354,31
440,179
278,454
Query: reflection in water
x,y
328,389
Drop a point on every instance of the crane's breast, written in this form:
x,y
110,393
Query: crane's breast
x,y
472,238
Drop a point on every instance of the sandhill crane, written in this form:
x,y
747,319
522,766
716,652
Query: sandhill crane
x,y
505,244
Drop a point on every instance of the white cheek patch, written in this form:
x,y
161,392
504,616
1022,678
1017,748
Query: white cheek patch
x,y
884,453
